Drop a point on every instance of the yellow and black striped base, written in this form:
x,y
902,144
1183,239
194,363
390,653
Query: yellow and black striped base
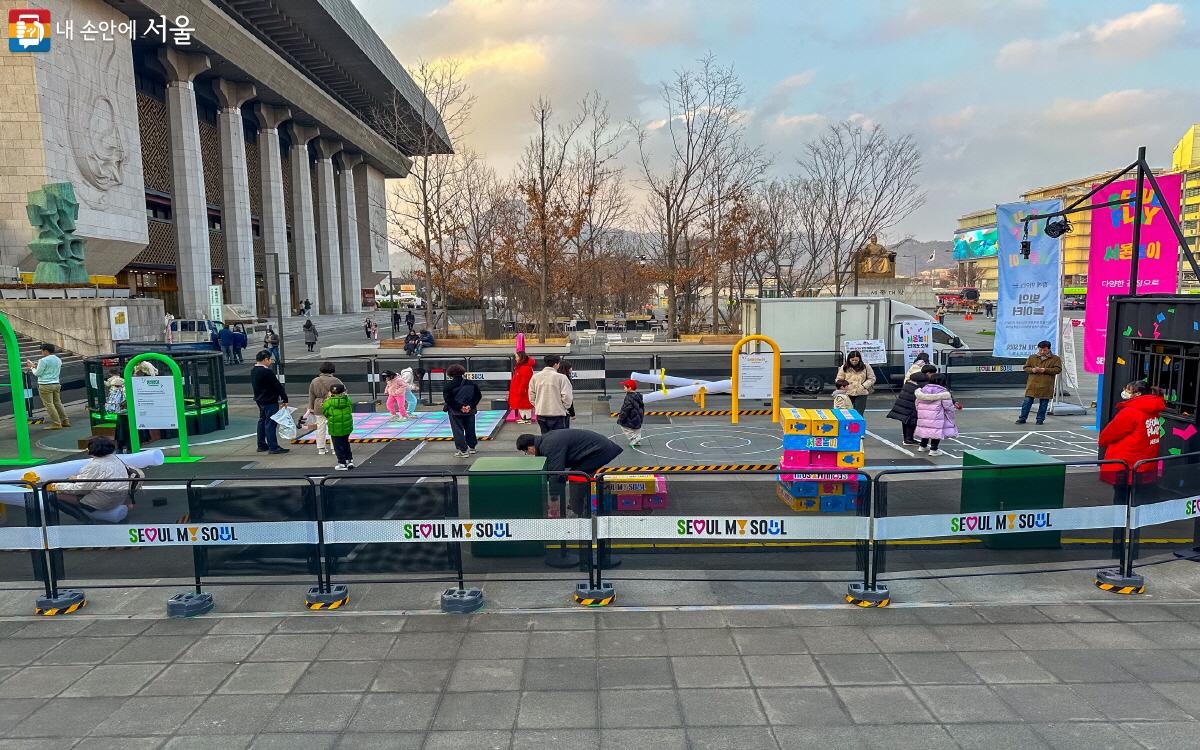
x,y
588,596
603,601
867,602
1125,590
53,611
705,413
328,605
687,467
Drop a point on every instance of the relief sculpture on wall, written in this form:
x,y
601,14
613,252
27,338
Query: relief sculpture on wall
x,y
95,131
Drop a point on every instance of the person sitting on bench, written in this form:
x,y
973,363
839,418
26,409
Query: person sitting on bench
x,y
88,496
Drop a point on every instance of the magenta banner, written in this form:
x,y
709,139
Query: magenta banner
x,y
1112,249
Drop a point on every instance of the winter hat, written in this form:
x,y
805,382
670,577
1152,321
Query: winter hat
x,y
631,384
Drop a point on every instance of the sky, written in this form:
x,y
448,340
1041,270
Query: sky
x,y
1001,95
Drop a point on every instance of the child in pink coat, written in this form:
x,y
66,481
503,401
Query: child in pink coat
x,y
935,415
396,390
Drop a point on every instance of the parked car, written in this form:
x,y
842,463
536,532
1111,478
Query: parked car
x,y
1073,302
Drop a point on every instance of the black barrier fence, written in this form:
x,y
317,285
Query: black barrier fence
x,y
464,527
936,519
733,525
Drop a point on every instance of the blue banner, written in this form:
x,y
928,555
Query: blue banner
x,y
1029,302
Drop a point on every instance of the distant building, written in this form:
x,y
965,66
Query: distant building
x,y
1186,159
199,144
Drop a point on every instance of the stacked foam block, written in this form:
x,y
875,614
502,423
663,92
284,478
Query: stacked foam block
x,y
821,450
638,492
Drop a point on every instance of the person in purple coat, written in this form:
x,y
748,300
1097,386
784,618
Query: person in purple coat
x,y
935,415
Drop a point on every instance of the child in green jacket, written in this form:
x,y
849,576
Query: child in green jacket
x,y
339,414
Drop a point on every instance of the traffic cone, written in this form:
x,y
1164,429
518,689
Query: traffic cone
x,y
968,316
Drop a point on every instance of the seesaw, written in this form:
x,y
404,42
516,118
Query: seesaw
x,y
693,387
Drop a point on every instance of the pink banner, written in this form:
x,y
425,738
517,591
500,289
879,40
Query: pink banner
x,y
1111,251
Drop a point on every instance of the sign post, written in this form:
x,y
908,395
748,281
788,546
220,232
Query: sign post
x,y
16,387
755,375
161,399
918,338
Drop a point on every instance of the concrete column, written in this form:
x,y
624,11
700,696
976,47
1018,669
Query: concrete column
x,y
304,233
235,189
274,219
371,198
348,233
329,252
189,208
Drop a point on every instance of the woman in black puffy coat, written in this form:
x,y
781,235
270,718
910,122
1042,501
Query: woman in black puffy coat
x,y
905,408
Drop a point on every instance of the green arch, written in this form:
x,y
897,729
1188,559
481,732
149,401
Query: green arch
x,y
135,444
17,387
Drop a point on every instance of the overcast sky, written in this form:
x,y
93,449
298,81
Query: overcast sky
x,y
1002,95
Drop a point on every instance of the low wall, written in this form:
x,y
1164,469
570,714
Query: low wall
x,y
81,325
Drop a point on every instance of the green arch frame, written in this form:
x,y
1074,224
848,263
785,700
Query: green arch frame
x,y
135,443
16,385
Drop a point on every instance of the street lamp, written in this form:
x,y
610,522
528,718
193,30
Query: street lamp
x,y
278,314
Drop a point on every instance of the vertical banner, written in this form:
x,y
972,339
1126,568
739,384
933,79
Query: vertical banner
x,y
1029,292
216,302
118,323
918,337
1112,250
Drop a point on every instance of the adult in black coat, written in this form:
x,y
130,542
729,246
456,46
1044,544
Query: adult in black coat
x,y
905,408
570,450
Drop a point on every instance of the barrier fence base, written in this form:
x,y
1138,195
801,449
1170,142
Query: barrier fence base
x,y
561,557
600,596
65,603
862,596
336,596
189,604
1110,579
461,601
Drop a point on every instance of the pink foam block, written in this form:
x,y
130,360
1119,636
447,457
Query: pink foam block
x,y
794,460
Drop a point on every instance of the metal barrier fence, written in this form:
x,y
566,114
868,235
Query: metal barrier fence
x,y
452,527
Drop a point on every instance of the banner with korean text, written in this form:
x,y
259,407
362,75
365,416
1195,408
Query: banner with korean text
x,y
1112,250
1029,293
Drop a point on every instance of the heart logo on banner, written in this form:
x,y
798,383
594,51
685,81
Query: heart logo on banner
x,y
972,522
151,534
426,529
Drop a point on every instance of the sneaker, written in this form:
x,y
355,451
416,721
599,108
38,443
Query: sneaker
x,y
320,451
349,464
1041,422
262,450
1019,421
908,442
922,448
471,451
936,453
340,467
460,454
277,451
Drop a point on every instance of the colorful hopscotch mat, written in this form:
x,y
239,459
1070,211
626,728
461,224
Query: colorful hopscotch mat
x,y
428,425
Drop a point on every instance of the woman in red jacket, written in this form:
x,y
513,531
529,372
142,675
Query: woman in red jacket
x,y
518,388
1133,433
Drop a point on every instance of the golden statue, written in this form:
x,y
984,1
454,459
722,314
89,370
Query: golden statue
x,y
876,261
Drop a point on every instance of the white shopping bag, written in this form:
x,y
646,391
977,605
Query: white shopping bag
x,y
287,425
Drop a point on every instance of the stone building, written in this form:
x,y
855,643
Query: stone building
x,y
205,148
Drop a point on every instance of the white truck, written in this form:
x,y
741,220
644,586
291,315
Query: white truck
x,y
811,332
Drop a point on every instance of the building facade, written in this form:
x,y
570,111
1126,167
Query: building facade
x,y
214,144
1186,160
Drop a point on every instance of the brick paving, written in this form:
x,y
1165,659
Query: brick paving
x,y
1120,675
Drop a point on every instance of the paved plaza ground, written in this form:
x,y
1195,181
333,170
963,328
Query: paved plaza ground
x,y
1101,675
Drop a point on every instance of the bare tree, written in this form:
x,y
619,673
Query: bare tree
x,y
857,182
700,136
480,205
418,212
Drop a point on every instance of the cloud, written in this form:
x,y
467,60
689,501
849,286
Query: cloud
x,y
928,16
1139,34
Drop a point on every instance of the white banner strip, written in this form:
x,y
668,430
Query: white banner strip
x,y
21,537
506,376
999,522
459,530
1182,509
749,528
187,535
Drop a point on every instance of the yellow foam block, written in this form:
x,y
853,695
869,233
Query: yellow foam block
x,y
803,504
634,484
822,422
851,459
795,421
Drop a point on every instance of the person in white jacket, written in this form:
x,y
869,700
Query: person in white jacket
x,y
551,394
102,500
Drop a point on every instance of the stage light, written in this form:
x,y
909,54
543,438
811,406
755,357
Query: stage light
x,y
1056,229
1025,250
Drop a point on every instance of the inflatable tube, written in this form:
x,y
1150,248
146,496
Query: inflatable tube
x,y
720,386
669,380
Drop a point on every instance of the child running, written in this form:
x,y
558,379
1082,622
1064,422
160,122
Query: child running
x,y
632,414
339,413
412,386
